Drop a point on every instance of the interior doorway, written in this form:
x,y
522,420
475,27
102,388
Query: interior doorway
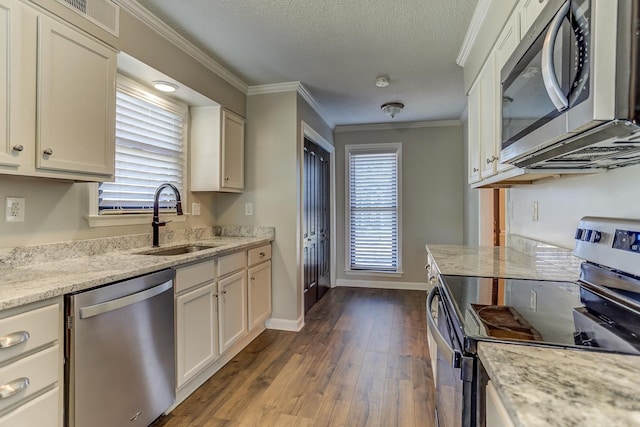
x,y
492,217
316,223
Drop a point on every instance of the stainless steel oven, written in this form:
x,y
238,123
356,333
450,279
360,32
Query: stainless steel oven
x,y
600,312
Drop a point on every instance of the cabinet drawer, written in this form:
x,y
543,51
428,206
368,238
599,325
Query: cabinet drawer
x,y
259,254
40,368
230,263
41,325
41,412
195,274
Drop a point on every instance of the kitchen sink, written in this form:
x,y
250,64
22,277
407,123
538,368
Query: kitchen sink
x,y
180,250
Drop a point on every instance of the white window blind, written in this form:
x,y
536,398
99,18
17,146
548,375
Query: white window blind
x,y
149,152
374,201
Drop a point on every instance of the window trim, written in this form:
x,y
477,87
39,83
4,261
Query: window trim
x,y
97,219
348,149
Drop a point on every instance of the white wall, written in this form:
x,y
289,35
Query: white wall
x,y
563,201
432,192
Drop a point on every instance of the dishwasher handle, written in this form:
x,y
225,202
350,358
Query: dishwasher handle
x,y
453,356
94,310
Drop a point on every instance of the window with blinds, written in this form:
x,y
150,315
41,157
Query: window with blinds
x,y
374,207
149,151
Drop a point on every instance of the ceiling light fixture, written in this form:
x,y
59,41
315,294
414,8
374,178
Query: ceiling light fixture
x,y
163,86
382,81
392,108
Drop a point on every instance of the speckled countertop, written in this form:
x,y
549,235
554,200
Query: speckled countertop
x,y
554,387
39,272
542,386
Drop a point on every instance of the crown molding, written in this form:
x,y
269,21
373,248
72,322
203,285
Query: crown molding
x,y
182,43
479,15
395,126
289,87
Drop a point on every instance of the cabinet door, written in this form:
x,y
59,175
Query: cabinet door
x,y
474,134
232,168
529,12
10,90
488,118
259,294
41,412
196,331
232,299
76,102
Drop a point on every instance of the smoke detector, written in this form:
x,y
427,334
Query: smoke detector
x,y
382,81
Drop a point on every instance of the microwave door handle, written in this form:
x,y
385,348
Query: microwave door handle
x,y
554,90
454,357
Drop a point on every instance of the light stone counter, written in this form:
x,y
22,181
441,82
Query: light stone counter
x,y
555,387
29,274
500,261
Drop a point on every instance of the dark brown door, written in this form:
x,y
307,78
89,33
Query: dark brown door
x,y
315,224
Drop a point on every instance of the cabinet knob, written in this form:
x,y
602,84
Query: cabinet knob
x,y
48,151
18,147
475,169
492,159
253,278
226,178
224,292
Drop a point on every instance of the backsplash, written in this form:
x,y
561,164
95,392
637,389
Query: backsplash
x,y
555,255
24,255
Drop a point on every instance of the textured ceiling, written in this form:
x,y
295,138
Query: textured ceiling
x,y
337,48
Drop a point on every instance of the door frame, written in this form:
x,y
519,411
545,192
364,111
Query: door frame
x,y
309,133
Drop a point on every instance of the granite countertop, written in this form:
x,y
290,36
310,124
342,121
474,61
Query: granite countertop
x,y
542,386
556,387
501,261
27,277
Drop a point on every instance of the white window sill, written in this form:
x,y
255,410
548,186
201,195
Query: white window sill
x,y
373,273
129,219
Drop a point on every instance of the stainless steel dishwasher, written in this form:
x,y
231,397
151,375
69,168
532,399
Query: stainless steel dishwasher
x,y
119,352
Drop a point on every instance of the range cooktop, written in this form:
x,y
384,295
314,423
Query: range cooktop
x,y
542,312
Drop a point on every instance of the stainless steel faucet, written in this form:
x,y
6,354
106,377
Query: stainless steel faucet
x,y
156,223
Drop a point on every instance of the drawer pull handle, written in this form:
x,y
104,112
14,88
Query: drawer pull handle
x,y
13,387
14,339
261,254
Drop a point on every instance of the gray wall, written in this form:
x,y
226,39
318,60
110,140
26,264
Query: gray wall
x,y
432,192
471,235
272,183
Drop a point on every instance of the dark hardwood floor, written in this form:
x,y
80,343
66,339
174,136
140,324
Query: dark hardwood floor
x,y
361,360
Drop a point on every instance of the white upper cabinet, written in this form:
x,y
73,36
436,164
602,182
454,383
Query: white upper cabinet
x,y
489,147
76,101
57,98
529,11
474,133
217,150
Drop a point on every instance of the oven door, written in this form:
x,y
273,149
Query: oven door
x,y
455,402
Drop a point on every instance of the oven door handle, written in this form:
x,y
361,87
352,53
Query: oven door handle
x,y
554,90
454,356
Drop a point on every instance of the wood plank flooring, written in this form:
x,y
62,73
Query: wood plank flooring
x,y
361,360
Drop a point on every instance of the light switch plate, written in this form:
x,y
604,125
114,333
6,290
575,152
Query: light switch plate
x,y
14,209
195,208
248,208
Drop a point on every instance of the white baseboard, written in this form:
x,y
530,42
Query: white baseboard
x,y
410,286
285,324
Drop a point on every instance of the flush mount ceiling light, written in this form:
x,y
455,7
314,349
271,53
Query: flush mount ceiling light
x,y
392,108
163,86
382,81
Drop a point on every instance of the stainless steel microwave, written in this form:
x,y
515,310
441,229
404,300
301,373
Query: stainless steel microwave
x,y
571,89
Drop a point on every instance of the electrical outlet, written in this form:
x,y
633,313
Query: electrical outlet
x,y
195,208
14,211
533,300
248,208
534,211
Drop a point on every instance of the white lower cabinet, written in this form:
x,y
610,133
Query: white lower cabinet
x,y
259,294
196,331
31,365
232,292
496,413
